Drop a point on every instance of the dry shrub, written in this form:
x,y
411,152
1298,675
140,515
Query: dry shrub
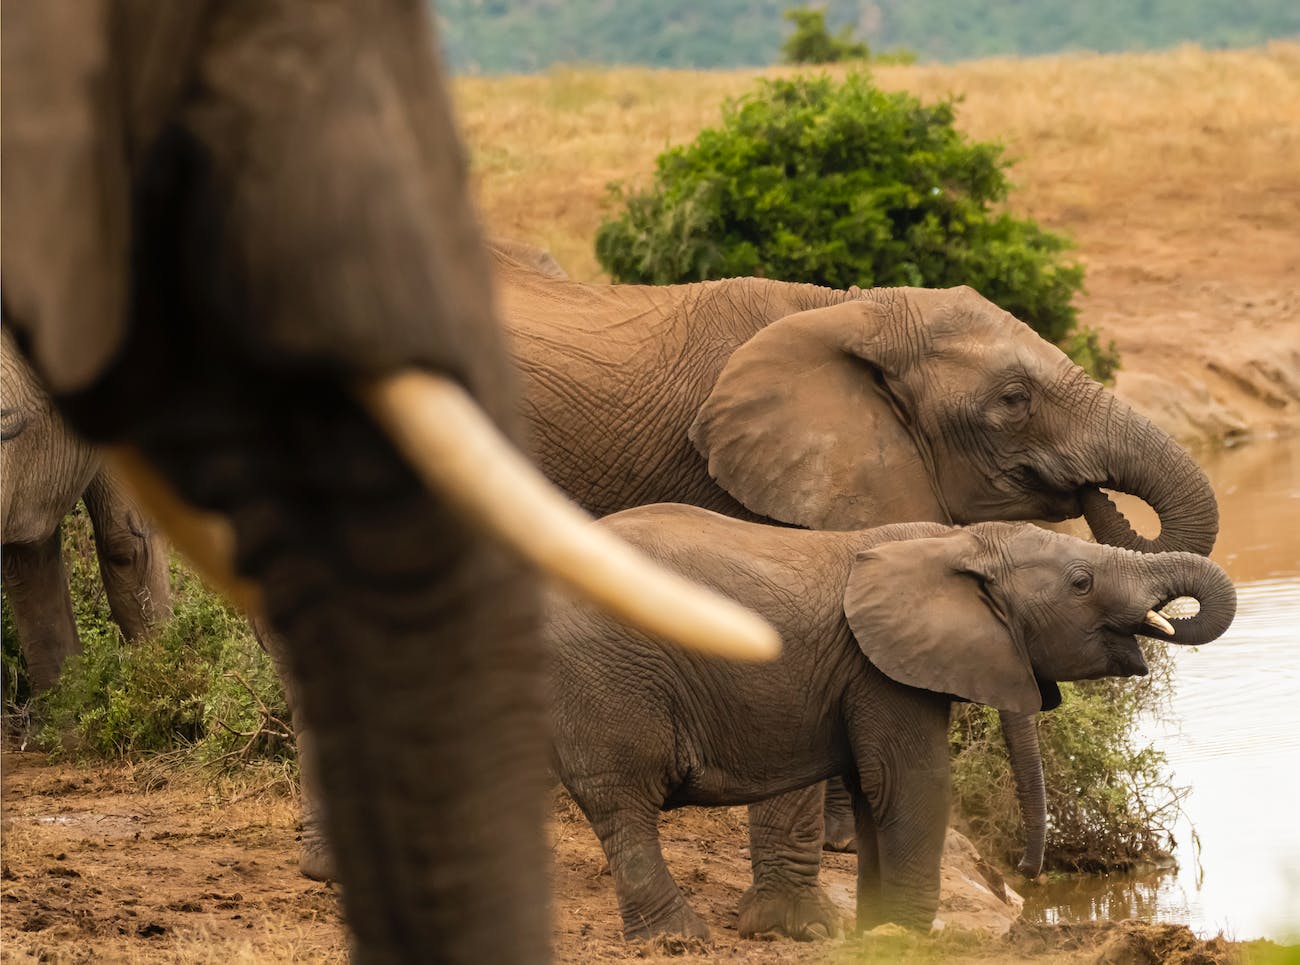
x,y
1111,800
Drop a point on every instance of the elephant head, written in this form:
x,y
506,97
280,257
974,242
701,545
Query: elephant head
x,y
910,403
44,466
998,612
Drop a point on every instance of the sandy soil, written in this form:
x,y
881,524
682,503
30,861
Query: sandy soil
x,y
99,867
1207,321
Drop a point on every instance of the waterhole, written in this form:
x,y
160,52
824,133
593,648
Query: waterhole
x,y
1232,734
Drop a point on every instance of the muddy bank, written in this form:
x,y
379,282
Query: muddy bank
x,y
98,868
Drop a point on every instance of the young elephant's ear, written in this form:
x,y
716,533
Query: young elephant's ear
x,y
807,423
921,613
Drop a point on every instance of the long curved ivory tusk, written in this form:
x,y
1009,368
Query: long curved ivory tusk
x,y
463,458
205,539
1154,619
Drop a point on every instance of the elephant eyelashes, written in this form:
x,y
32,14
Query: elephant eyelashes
x,y
1015,399
12,424
1081,582
1027,478
1012,406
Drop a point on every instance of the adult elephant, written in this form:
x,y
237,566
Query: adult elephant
x,y
237,249
834,409
44,470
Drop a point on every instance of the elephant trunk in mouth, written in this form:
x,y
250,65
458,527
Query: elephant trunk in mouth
x,y
1152,466
1188,575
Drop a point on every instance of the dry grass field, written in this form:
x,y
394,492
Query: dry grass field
x,y
1178,174
1169,142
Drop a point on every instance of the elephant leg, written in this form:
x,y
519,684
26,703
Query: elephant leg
x,y
132,558
36,585
648,899
909,836
838,817
785,847
316,860
1020,732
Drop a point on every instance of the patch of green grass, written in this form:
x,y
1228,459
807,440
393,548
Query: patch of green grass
x,y
201,689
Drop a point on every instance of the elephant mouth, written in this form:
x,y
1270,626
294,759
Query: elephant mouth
x,y
1059,505
1049,691
1156,626
1125,654
1027,494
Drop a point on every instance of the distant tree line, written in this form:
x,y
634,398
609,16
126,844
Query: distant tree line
x,y
510,36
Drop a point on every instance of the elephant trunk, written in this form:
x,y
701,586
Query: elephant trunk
x,y
1149,464
1188,575
1020,731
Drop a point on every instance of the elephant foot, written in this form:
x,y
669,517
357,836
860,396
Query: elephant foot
x,y
839,829
839,834
680,921
804,913
316,860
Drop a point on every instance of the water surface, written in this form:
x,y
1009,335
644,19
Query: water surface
x,y
1233,731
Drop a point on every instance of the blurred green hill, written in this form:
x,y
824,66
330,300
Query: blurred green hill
x,y
522,36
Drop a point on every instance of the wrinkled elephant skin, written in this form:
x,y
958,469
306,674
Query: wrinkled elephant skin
x,y
220,219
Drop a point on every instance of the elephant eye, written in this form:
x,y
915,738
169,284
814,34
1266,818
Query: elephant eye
x,y
1081,581
1014,398
12,423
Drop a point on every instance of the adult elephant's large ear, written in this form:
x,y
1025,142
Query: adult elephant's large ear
x,y
808,424
921,613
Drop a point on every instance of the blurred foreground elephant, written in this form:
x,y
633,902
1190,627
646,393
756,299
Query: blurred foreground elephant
x,y
238,251
44,470
882,629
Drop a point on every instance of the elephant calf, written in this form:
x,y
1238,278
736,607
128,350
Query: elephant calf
x,y
883,628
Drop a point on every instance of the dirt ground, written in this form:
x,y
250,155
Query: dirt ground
x,y
99,867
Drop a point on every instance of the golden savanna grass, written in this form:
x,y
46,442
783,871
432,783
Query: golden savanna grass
x,y
1105,145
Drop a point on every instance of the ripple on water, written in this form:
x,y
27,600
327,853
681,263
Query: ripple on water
x,y
1232,735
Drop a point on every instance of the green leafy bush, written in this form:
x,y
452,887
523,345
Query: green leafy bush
x,y
201,685
840,185
812,43
1110,797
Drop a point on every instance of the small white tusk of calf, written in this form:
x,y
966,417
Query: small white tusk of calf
x,y
1154,619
